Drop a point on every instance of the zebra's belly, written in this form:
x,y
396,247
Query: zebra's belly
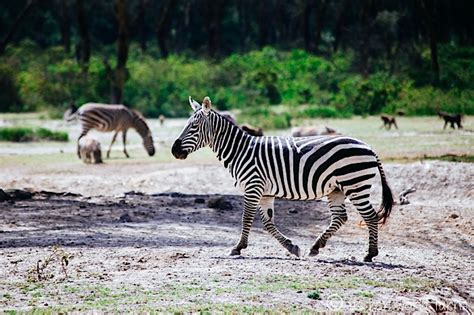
x,y
292,191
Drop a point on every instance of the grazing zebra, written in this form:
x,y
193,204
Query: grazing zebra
x,y
290,168
116,118
451,119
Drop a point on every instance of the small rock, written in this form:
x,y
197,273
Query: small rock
x,y
293,211
4,196
125,218
18,194
219,202
199,200
454,216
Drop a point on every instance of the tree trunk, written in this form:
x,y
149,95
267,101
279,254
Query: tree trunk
x,y
339,23
320,12
215,9
306,22
15,25
64,26
83,49
429,9
162,27
120,76
141,25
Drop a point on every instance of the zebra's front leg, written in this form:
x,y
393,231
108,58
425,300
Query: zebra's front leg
x,y
338,218
253,194
111,143
124,138
267,215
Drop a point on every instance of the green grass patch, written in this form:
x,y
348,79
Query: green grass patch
x,y
452,158
315,295
26,134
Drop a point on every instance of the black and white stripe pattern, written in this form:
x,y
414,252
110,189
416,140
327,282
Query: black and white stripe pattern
x,y
116,118
293,168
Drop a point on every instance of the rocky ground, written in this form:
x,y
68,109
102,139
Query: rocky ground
x,y
98,247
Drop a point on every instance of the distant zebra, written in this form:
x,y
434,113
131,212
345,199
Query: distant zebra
x,y
291,168
116,118
451,119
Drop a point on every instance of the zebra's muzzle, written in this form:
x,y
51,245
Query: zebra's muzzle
x,y
177,151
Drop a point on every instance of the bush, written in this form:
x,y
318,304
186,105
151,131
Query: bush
x,y
24,134
266,118
34,79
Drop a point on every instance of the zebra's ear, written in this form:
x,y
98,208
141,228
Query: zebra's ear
x,y
194,105
206,105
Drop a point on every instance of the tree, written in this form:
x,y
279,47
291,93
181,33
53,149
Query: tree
x,y
83,48
14,27
429,10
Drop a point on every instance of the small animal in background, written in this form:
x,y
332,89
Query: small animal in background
x,y
388,121
251,130
451,118
400,112
312,131
90,150
162,119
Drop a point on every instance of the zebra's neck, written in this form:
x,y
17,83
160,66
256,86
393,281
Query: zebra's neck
x,y
227,139
140,126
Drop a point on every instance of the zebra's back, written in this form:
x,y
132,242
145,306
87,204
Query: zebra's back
x,y
312,167
105,117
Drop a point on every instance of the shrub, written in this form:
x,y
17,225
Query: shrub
x,y
25,134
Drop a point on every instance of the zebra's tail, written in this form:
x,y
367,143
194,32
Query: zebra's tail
x,y
387,197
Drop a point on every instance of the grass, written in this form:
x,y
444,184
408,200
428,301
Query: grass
x,y
27,134
201,297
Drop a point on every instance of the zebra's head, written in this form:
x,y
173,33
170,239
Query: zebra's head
x,y
197,133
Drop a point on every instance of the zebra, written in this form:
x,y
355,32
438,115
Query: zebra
x,y
305,168
116,118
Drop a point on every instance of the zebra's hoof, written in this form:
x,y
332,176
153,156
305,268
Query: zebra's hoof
x,y
313,252
235,252
368,258
295,250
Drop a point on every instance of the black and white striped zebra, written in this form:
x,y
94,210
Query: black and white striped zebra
x,y
290,168
116,118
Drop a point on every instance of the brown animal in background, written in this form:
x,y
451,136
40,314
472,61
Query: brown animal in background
x,y
451,118
400,112
90,150
251,130
162,119
388,121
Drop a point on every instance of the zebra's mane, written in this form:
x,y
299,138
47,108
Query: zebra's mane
x,y
225,117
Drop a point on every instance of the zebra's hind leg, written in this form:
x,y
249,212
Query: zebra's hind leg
x,y
267,215
83,133
362,203
252,196
338,218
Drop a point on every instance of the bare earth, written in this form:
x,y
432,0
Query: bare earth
x,y
153,249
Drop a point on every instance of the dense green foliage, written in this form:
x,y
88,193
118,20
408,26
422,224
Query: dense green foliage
x,y
253,83
25,134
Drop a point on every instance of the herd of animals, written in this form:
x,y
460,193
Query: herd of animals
x,y
119,118
311,164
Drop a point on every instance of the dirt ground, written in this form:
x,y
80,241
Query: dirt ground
x,y
155,249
